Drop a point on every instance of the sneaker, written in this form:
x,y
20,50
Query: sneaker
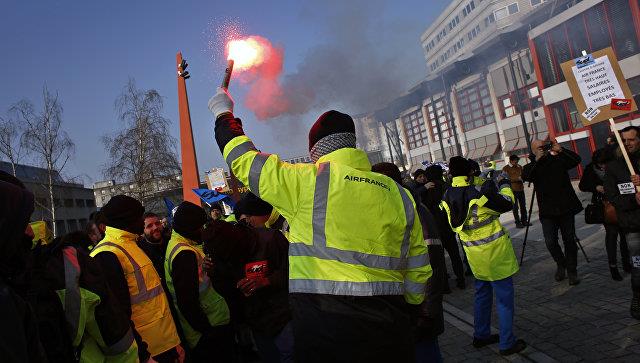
x,y
492,339
635,306
615,274
519,225
461,284
573,278
518,347
560,273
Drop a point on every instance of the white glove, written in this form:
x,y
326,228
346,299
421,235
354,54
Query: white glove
x,y
221,103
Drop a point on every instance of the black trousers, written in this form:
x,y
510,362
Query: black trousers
x,y
520,203
611,242
567,227
330,328
450,244
216,345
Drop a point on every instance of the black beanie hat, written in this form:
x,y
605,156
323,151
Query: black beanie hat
x,y
433,172
252,206
330,122
459,166
122,211
389,169
188,220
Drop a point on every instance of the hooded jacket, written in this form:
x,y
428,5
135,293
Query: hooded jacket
x,y
619,190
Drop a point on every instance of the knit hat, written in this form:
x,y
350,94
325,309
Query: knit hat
x,y
330,123
389,169
459,166
252,206
122,211
188,220
433,172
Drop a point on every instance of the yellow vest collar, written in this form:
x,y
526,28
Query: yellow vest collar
x,y
354,158
116,235
460,181
175,236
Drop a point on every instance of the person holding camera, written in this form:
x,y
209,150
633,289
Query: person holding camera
x,y
557,202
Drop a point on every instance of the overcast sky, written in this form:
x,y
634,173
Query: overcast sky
x,y
86,51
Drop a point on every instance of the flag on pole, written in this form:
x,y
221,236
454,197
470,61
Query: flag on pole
x,y
170,206
211,196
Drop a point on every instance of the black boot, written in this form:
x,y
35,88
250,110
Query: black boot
x,y
635,305
518,347
626,267
573,278
460,283
560,273
492,339
614,273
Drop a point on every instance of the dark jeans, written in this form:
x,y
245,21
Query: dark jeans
x,y
351,329
633,240
522,204
611,243
567,227
450,244
217,345
276,349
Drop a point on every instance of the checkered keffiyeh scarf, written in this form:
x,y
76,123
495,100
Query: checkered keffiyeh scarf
x,y
331,143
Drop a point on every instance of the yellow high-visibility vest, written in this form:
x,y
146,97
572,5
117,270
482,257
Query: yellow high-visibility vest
x,y
41,232
150,311
353,232
485,240
213,304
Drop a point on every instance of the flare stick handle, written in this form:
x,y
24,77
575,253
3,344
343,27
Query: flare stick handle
x,y
227,74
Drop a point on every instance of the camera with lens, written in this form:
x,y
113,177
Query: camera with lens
x,y
546,147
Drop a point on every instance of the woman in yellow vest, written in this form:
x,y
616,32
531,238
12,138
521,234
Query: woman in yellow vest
x,y
135,282
203,313
474,213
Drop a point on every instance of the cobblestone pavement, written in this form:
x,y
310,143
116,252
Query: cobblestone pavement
x,y
587,322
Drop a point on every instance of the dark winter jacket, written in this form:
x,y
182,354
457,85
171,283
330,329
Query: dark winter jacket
x,y
267,310
590,180
550,175
621,193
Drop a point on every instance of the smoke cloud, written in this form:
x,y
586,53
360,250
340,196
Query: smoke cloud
x,y
362,64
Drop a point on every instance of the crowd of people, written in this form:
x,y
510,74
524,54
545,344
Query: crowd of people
x,y
338,260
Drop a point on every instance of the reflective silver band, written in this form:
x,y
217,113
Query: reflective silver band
x,y
320,196
348,288
477,225
358,258
143,294
409,213
121,345
254,172
72,298
433,241
414,287
484,241
238,151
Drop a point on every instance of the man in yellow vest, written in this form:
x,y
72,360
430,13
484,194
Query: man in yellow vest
x,y
203,313
356,245
473,211
135,282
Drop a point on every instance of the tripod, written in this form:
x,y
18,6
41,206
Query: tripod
x,y
526,232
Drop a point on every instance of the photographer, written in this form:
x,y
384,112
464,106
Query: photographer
x,y
557,202
620,188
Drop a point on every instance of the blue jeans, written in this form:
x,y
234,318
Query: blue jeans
x,y
505,307
428,350
278,348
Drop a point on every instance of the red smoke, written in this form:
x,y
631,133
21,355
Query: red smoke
x,y
265,96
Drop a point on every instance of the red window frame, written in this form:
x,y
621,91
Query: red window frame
x,y
471,96
415,129
440,116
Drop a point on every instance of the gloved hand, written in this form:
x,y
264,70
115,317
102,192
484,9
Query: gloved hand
x,y
221,103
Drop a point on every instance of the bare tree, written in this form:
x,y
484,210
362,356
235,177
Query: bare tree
x,y
46,141
11,141
143,152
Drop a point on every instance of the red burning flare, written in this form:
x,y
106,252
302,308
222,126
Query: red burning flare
x,y
260,64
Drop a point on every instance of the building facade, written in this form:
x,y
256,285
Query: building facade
x,y
73,202
153,195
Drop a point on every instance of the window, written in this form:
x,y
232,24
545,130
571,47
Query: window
x,y
439,117
474,105
415,129
90,203
529,99
513,8
80,203
536,2
501,13
72,225
603,25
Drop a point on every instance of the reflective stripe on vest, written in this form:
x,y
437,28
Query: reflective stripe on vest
x,y
476,224
204,284
433,241
143,294
484,241
72,298
238,151
319,249
255,170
